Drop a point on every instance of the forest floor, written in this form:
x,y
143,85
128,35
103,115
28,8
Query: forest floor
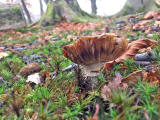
x,y
50,96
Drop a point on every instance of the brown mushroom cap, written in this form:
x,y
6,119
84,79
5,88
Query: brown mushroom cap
x,y
93,49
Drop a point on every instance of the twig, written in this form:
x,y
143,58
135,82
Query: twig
x,y
68,68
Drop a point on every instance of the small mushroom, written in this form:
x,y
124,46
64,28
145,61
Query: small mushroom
x,y
91,52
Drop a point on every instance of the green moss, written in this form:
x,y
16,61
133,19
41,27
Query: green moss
x,y
78,19
49,15
15,10
128,9
141,9
59,9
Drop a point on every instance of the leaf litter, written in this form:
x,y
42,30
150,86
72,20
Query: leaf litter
x,y
67,92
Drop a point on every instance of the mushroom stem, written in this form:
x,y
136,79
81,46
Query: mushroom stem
x,y
87,76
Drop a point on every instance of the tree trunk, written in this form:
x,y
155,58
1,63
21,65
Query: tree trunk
x,y
142,2
157,2
46,1
94,7
59,10
41,7
26,11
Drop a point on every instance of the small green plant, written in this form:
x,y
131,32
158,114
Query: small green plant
x,y
39,94
146,91
19,84
2,90
132,38
113,113
15,63
72,113
141,9
47,112
127,10
62,100
32,37
23,30
101,79
129,63
116,68
3,65
157,53
156,36
124,102
6,74
87,32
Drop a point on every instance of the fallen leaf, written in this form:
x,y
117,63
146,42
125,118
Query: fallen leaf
x,y
153,76
149,15
30,69
47,74
140,25
65,26
71,37
34,78
132,50
133,77
107,89
157,23
16,52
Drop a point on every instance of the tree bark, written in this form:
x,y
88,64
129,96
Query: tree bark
x,y
23,14
94,7
26,11
142,2
46,1
41,7
59,10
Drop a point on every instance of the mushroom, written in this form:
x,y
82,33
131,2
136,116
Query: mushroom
x,y
91,52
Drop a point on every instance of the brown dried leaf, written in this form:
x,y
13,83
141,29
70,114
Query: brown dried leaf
x,y
71,38
30,69
106,91
132,50
133,77
149,15
152,76
65,26
157,23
